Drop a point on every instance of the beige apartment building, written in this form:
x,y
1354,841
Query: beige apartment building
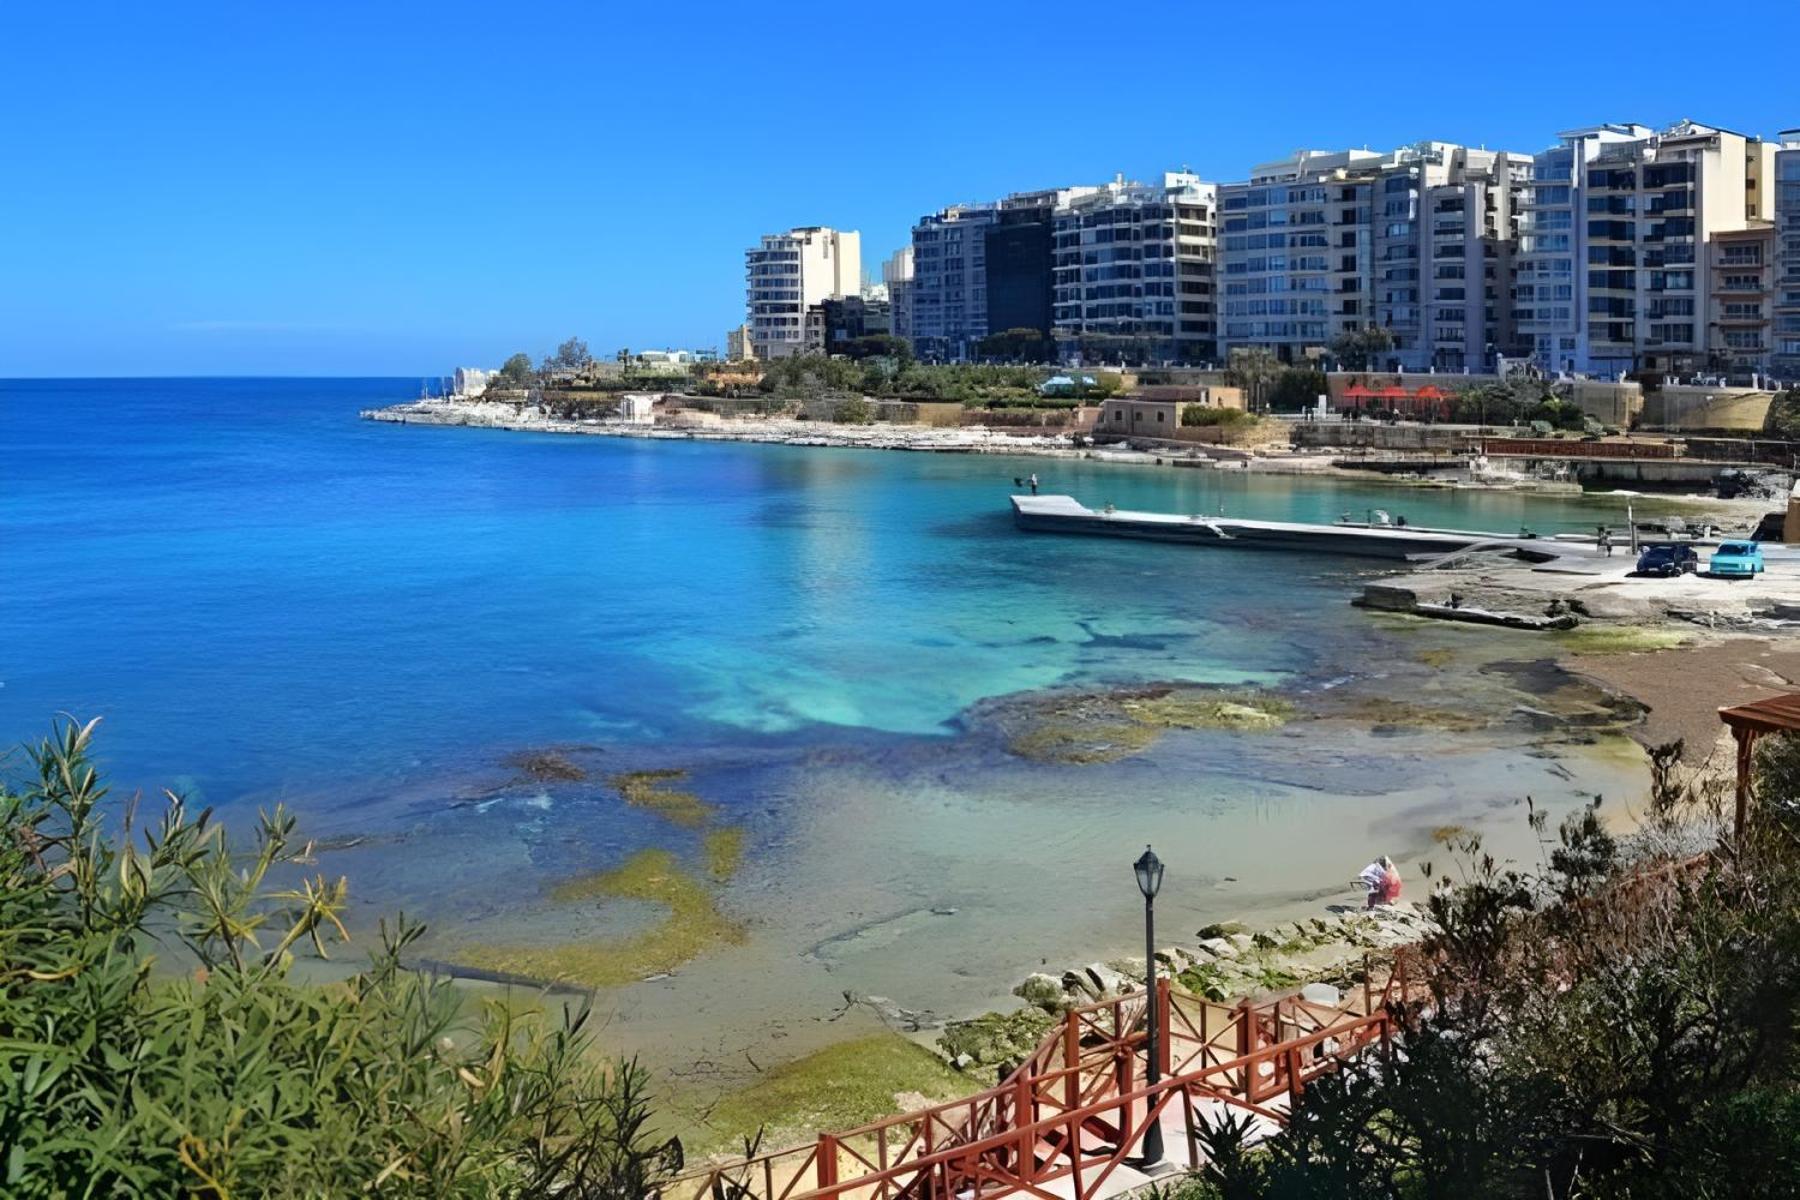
x,y
1653,208
1740,263
788,274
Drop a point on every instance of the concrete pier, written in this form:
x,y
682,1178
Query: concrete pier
x,y
1064,514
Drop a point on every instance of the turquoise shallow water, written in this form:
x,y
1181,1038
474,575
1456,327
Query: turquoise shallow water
x,y
263,594
267,598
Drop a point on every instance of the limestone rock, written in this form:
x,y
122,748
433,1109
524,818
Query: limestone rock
x,y
1045,991
1108,981
1218,947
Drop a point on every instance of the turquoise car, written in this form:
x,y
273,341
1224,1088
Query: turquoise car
x,y
1736,560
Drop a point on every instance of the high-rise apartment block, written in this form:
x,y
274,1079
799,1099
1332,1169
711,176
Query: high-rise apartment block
x,y
790,273
1134,272
984,268
1419,242
1784,359
1620,249
897,274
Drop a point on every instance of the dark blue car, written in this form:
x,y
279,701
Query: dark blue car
x,y
1668,560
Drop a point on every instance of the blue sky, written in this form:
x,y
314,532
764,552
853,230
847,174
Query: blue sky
x,y
395,188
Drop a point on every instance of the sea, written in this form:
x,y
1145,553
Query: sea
x,y
266,599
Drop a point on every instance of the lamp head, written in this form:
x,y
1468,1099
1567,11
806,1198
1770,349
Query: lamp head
x,y
1149,871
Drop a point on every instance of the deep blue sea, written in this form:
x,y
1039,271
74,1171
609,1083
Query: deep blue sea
x,y
262,594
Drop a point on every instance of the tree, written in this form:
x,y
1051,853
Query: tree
x,y
1251,368
1020,344
154,1040
1361,349
572,355
1296,388
878,345
517,372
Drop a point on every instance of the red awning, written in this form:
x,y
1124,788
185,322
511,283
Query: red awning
x,y
1431,392
1357,391
1393,393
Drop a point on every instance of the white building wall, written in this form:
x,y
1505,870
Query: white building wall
x,y
788,273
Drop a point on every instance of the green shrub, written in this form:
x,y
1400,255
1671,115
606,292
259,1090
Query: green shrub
x,y
154,1042
1206,416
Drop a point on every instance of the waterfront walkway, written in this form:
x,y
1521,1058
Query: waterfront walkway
x,y
1069,1122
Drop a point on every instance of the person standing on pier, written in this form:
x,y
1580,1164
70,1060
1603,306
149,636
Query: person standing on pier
x,y
1033,482
1605,541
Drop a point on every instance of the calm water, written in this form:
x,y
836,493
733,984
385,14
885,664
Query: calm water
x,y
267,598
260,592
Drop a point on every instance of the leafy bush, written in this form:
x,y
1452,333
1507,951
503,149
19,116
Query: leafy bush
x,y
1204,415
153,1040
1618,1022
854,411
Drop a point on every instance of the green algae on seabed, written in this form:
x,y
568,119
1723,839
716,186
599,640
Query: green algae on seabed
x,y
996,1038
839,1087
1097,727
1618,639
546,765
644,789
724,849
1381,712
693,925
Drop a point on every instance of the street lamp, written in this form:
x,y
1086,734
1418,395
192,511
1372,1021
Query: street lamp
x,y
1149,871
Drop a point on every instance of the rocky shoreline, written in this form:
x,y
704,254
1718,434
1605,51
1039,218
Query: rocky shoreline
x,y
1321,957
781,432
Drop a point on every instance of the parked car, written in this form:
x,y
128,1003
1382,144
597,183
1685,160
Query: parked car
x,y
1736,560
1668,560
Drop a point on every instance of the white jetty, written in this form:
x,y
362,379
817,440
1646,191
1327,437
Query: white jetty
x,y
1064,514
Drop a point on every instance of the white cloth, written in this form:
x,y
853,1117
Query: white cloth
x,y
1374,877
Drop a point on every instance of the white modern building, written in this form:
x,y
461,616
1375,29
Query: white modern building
x,y
1784,358
737,345
788,273
1134,272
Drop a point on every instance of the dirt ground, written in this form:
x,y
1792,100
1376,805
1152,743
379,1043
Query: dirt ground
x,y
1685,687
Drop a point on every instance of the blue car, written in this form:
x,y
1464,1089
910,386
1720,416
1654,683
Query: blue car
x,y
1736,560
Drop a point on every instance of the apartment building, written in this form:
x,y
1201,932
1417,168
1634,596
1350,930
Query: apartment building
x,y
787,276
983,268
1445,232
897,274
1550,293
1653,206
1134,272
1420,241
1784,359
1294,253
1740,263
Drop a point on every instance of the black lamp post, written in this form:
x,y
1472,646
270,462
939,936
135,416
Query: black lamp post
x,y
1149,871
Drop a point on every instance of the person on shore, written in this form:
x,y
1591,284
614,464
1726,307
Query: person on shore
x,y
1606,541
1033,482
1382,881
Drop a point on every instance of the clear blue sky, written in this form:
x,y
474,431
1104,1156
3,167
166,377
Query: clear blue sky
x,y
394,188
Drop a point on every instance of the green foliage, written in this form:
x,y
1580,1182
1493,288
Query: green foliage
x,y
811,375
214,1073
1616,1022
1022,344
1295,389
878,345
1361,349
1205,415
572,355
1783,419
517,372
854,411
1252,368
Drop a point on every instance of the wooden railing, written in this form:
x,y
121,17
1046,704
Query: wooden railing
x,y
1076,1107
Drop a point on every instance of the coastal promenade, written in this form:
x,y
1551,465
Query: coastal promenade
x,y
1069,1122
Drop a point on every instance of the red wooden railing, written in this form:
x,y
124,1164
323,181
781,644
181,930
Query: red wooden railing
x,y
1076,1108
